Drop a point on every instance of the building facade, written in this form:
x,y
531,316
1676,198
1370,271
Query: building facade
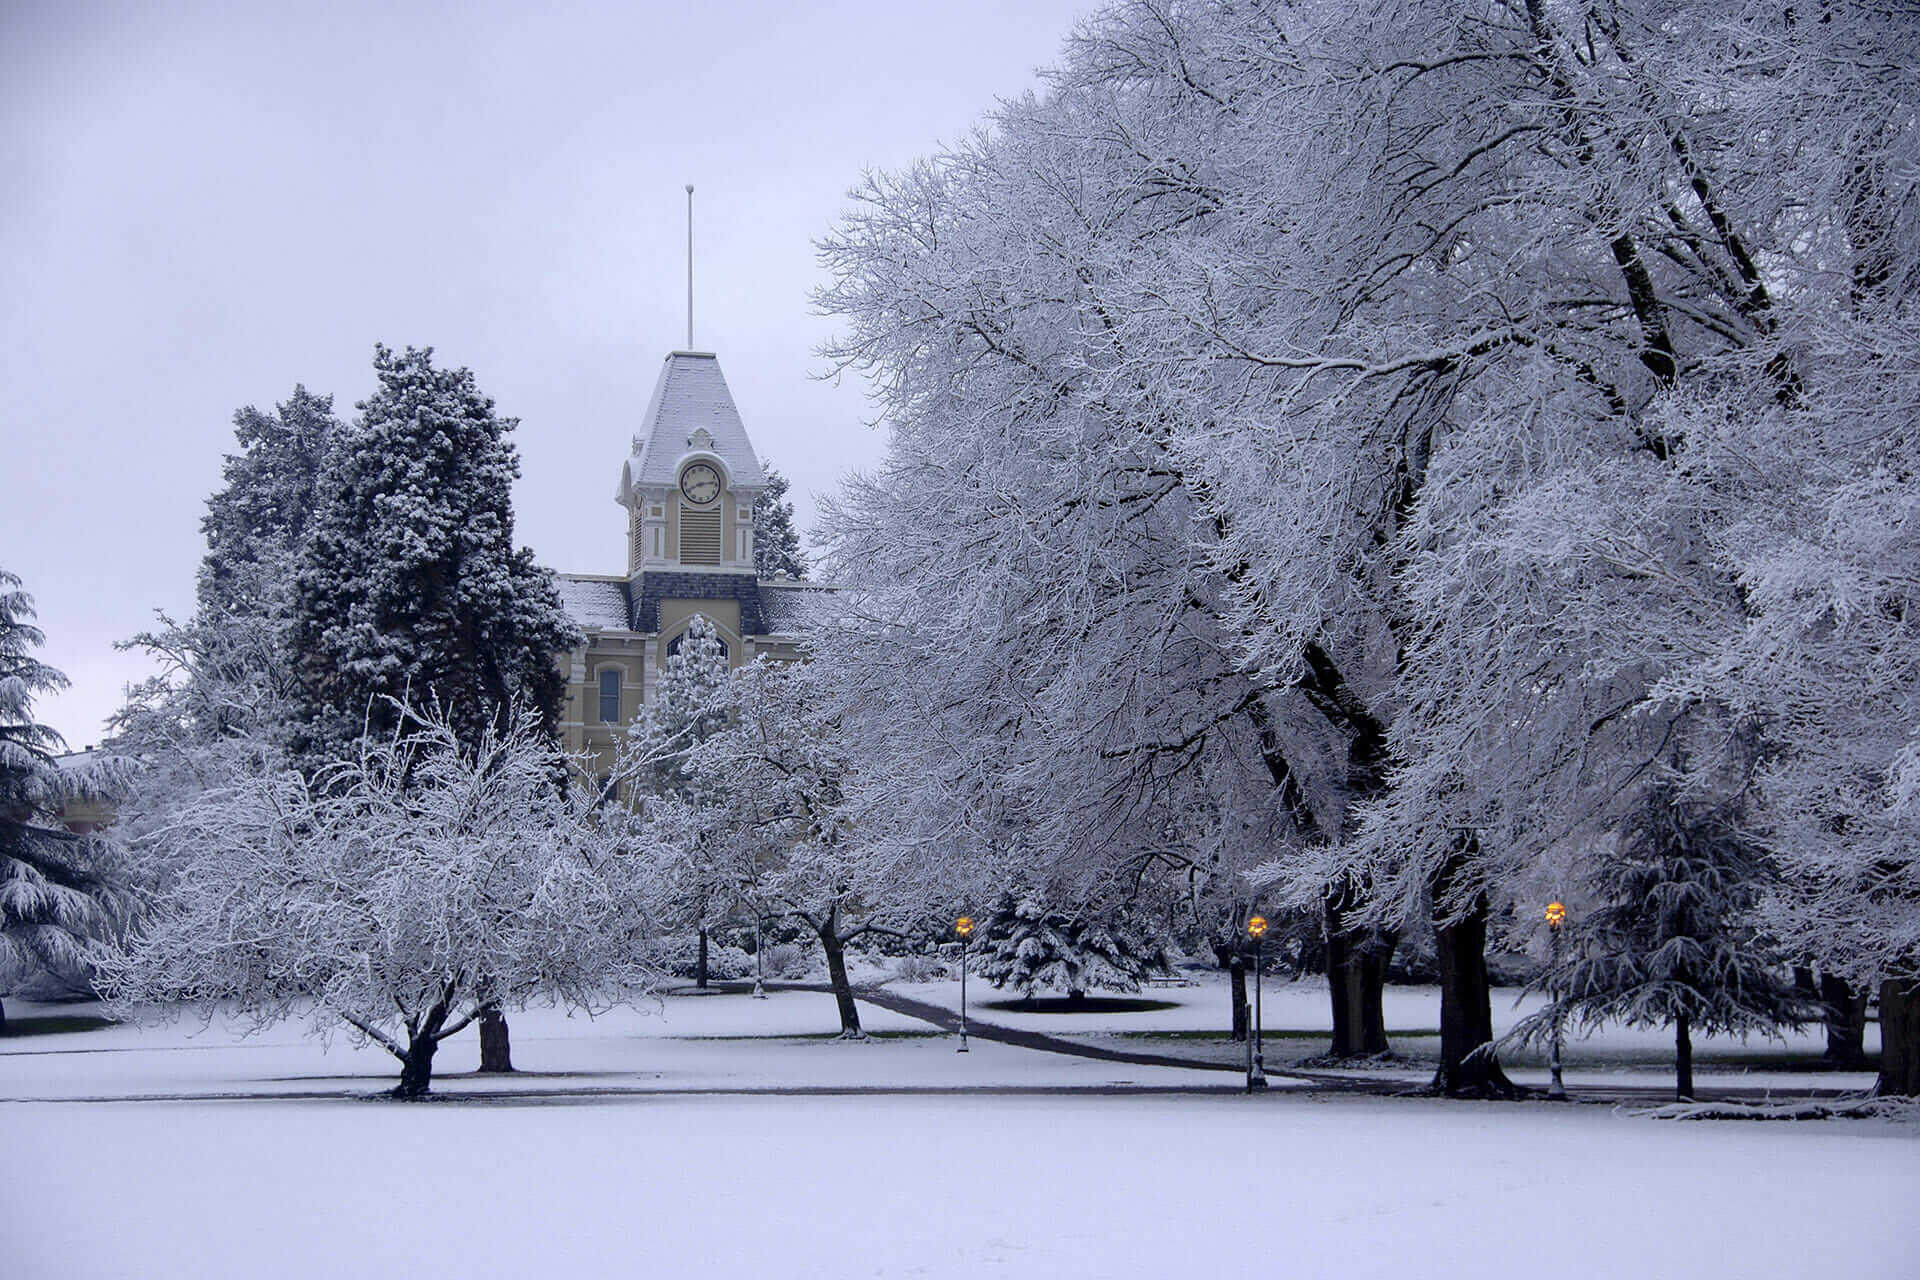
x,y
688,487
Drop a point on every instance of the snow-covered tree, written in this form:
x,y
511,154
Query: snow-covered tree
x,y
402,891
776,827
1673,938
1032,945
1373,350
57,899
409,585
776,543
653,768
27,747
256,523
1050,556
226,684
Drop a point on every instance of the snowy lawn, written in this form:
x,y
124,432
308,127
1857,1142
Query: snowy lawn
x,y
721,1135
947,1186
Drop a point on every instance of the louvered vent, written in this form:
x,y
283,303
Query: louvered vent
x,y
700,535
635,553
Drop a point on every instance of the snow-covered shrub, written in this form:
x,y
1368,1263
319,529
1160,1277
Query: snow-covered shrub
x,y
1031,945
790,961
679,955
920,969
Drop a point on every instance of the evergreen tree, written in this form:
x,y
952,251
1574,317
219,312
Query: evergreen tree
x,y
689,707
1029,944
409,586
410,590
53,899
226,679
1674,941
229,669
255,524
776,544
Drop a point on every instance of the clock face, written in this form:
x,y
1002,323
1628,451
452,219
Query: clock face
x,y
701,483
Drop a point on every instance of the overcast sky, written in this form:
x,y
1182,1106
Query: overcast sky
x,y
203,205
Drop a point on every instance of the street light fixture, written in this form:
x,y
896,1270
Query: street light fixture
x,y
1556,918
964,927
1256,1050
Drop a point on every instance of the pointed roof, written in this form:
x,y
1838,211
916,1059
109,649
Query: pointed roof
x,y
691,396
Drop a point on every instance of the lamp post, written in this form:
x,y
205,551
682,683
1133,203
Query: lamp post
x,y
1556,917
1256,1050
964,927
759,958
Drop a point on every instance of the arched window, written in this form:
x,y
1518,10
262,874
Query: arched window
x,y
673,645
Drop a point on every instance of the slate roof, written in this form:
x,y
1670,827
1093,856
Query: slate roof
x,y
656,586
594,602
691,394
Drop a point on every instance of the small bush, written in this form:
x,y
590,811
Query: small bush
x,y
920,969
679,955
789,961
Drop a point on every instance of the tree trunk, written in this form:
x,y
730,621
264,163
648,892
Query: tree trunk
x,y
496,1050
1340,962
423,1039
1846,1023
700,964
1682,1060
3,1017
1899,1039
1369,990
1236,966
416,1069
1356,979
837,976
1466,1000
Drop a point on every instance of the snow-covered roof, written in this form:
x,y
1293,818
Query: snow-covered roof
x,y
793,608
598,603
691,396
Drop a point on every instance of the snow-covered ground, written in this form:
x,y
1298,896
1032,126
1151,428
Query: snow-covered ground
x,y
712,1138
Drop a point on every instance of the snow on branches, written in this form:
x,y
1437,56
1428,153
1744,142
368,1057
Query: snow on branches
x,y
401,891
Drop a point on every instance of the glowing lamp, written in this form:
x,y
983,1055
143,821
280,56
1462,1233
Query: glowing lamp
x,y
1556,914
1257,927
963,926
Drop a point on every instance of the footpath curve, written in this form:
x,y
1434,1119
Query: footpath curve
x,y
947,1020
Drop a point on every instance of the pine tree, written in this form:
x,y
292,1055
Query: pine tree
x,y
409,586
1674,942
689,706
776,544
1031,945
256,523
53,899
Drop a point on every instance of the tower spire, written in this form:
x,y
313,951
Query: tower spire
x,y
689,266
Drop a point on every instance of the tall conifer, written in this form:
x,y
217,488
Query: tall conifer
x,y
409,584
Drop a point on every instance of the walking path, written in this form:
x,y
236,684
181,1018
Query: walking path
x,y
1318,1081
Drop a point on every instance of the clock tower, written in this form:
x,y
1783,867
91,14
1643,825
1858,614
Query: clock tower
x,y
688,488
